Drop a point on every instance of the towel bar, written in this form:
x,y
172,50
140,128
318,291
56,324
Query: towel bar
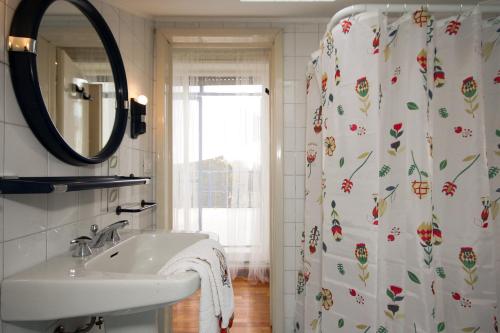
x,y
144,206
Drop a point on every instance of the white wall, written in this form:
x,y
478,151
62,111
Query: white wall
x,y
34,228
300,40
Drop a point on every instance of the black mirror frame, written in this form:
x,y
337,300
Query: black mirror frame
x,y
24,76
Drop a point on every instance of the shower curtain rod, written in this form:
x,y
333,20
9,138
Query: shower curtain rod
x,y
399,8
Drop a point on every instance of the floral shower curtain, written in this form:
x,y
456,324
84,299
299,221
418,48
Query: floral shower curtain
x,y
403,184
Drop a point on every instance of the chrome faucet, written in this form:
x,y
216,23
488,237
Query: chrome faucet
x,y
108,234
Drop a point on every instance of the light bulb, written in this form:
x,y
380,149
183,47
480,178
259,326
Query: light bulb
x,y
141,99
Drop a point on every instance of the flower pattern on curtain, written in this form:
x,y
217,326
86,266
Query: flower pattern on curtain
x,y
403,184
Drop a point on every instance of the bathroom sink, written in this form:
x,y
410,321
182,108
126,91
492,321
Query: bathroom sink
x,y
116,281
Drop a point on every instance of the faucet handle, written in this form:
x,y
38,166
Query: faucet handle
x,y
114,236
108,234
82,248
94,228
119,225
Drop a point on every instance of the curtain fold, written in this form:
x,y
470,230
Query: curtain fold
x,y
221,152
403,183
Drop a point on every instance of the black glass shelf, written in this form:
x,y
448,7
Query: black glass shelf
x,y
20,185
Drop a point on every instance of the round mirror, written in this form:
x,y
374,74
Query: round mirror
x,y
76,97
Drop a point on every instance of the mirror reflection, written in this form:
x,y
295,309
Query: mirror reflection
x,y
75,78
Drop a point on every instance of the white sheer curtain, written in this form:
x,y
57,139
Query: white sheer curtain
x,y
221,152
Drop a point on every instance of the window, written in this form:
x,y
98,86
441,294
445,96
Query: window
x,y
220,151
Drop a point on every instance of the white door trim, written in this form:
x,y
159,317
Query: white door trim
x,y
277,227
273,39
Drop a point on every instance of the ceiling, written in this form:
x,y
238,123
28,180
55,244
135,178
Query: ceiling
x,y
235,8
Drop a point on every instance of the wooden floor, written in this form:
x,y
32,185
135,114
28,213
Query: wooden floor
x,y
251,313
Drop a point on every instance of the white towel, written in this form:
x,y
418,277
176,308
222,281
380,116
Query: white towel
x,y
207,258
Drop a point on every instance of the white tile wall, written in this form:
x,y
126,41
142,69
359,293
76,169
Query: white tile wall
x,y
34,228
28,212
23,155
289,114
300,40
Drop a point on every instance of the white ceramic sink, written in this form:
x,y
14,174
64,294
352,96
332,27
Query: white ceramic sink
x,y
118,281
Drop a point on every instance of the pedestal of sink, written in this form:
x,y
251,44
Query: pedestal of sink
x,y
143,322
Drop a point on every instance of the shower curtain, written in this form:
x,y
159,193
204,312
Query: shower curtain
x,y
402,177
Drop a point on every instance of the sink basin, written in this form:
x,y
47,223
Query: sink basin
x,y
116,281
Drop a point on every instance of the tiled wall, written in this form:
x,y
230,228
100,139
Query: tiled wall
x,y
34,228
300,40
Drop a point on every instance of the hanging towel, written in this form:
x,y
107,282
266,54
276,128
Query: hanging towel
x,y
207,258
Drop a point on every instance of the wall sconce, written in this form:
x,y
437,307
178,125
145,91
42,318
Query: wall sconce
x,y
138,115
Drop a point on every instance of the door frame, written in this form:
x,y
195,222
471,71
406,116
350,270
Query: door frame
x,y
165,40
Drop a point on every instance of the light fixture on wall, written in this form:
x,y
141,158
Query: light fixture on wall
x,y
138,115
141,99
